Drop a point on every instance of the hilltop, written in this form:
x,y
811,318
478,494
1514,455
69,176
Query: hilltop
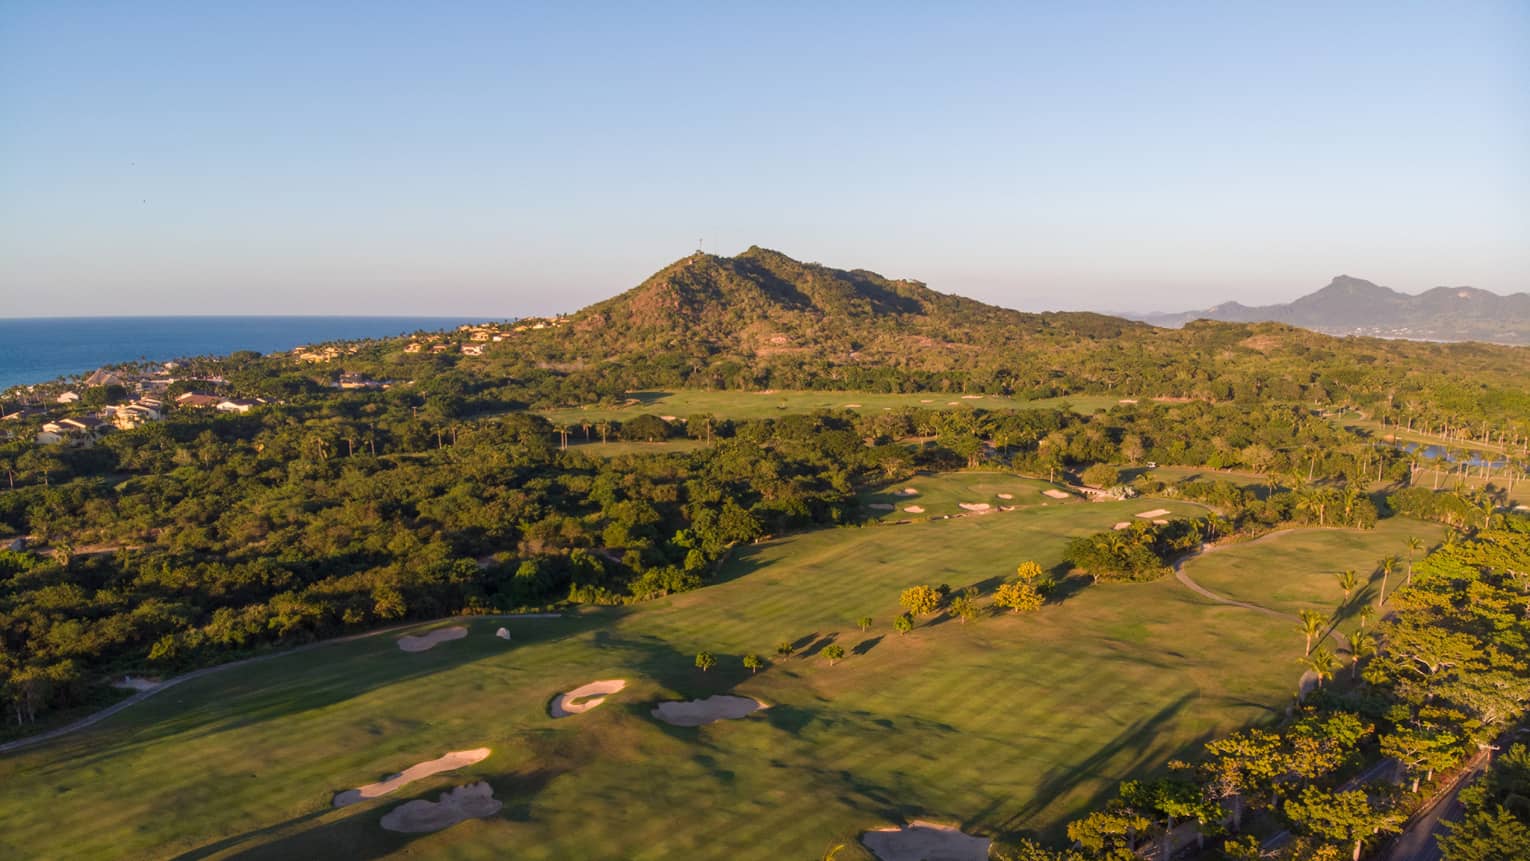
x,y
1354,306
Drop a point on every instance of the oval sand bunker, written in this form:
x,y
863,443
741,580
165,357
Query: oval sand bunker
x,y
473,801
699,712
419,771
920,840
429,639
584,697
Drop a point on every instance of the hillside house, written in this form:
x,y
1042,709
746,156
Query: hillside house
x,y
68,398
197,400
78,430
237,405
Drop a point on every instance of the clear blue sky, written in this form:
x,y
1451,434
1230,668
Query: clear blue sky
x,y
505,158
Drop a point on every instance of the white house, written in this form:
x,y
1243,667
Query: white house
x,y
68,398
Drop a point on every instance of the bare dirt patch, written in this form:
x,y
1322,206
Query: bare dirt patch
x,y
923,841
709,710
430,639
584,697
419,771
473,801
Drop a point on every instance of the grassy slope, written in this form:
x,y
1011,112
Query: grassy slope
x,y
755,405
1006,724
1295,570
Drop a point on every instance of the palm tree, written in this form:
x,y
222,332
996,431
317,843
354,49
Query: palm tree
x,y
1321,663
1415,544
561,429
1367,613
1348,580
1312,626
1387,566
1361,646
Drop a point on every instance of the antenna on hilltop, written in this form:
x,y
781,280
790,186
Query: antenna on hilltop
x,y
699,243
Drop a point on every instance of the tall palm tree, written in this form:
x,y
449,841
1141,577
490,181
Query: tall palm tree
x,y
1312,626
1415,544
1348,580
1387,566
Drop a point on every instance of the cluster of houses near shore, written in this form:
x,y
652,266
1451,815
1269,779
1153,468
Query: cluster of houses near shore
x,y
143,400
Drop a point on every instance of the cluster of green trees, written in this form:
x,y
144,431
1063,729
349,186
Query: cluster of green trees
x,y
201,538
1449,679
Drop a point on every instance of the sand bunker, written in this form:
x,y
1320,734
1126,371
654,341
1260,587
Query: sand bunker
x,y
419,771
473,801
1006,496
503,633
1157,512
699,712
584,697
907,491
974,506
914,509
1055,493
852,406
882,506
428,640
926,400
972,397
925,841
1160,522
1125,524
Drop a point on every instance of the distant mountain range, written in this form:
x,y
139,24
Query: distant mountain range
x,y
1352,306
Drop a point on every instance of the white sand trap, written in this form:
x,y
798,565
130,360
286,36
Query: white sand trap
x,y
429,639
926,400
503,633
852,406
1055,493
1006,496
1125,524
882,506
585,697
1157,512
925,841
419,771
914,509
972,397
952,404
709,710
473,801
1160,522
907,491
974,506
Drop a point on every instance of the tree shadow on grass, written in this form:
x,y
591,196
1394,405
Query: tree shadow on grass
x,y
813,648
867,645
1138,741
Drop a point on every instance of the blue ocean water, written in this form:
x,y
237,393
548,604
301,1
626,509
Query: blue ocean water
x,y
37,349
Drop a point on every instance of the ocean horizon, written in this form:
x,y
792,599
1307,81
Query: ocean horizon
x,y
40,349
